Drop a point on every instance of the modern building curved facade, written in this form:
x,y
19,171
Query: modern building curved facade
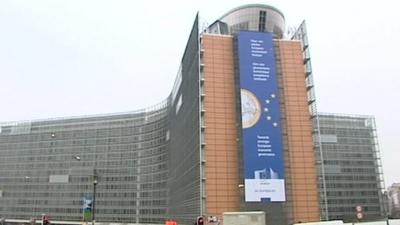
x,y
255,17
48,167
189,155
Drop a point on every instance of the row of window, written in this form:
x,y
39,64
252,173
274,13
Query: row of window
x,y
99,211
353,185
159,134
344,162
80,131
332,152
357,177
124,191
353,201
351,209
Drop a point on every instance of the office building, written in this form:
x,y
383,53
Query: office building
x,y
235,134
349,167
48,167
393,195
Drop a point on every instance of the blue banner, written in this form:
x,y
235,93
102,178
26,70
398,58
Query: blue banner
x,y
87,207
261,122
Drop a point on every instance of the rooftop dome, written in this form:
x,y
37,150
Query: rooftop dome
x,y
252,17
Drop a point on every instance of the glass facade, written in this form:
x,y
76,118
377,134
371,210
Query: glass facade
x,y
184,147
257,17
352,167
48,167
184,157
146,163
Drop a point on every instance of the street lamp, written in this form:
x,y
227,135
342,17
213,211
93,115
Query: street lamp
x,y
242,195
95,181
94,196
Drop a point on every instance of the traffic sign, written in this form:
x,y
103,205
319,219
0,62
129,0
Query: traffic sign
x,y
360,215
359,208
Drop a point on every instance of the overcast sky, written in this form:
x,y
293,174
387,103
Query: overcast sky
x,y
76,57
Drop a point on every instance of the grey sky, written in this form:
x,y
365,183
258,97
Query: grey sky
x,y
71,58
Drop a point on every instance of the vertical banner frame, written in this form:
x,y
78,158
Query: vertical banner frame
x,y
261,119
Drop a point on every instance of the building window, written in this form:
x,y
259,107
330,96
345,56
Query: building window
x,y
178,104
261,22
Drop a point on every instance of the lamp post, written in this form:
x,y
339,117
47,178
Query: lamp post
x,y
94,196
95,181
242,195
